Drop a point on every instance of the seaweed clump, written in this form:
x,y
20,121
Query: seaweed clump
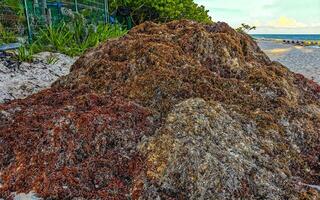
x,y
180,110
64,144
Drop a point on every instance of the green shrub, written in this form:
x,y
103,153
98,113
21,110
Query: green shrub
x,y
74,37
53,39
7,36
13,12
245,28
15,6
163,10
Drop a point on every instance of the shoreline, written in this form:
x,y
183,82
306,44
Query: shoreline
x,y
300,59
303,43
299,39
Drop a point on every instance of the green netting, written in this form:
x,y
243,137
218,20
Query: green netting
x,y
24,18
46,12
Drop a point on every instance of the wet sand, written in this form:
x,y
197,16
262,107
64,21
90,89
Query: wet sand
x,y
299,59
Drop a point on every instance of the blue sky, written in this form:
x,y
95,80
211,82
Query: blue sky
x,y
270,16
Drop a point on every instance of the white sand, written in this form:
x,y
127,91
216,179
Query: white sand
x,y
303,60
28,78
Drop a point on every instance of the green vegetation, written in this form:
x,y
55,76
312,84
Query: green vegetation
x,y
245,28
68,39
52,59
71,38
14,9
75,37
7,36
11,20
24,54
163,10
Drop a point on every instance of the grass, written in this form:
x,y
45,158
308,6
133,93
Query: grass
x,y
52,59
74,37
24,54
71,38
63,38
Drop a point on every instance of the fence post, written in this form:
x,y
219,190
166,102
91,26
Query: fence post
x,y
43,8
28,20
76,5
106,11
35,5
49,18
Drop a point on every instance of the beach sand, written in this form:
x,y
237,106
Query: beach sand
x,y
299,59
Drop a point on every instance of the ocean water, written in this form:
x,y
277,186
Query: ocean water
x,y
308,37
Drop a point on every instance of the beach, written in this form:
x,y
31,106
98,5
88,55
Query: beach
x,y
300,59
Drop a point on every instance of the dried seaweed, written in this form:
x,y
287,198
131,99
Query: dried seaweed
x,y
63,144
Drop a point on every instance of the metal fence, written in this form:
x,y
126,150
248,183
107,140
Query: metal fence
x,y
26,17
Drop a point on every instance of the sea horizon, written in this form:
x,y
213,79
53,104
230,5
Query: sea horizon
x,y
307,37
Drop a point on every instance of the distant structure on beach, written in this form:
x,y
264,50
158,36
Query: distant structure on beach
x,y
301,42
299,39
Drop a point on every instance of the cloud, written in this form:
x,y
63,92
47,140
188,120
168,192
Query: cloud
x,y
269,16
285,22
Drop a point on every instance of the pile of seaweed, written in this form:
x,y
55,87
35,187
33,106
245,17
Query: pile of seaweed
x,y
180,110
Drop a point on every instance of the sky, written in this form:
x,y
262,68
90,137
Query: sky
x,y
269,16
